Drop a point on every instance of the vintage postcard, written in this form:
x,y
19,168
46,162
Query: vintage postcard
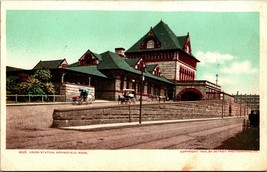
x,y
133,85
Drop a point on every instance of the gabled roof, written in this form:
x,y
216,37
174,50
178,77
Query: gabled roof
x,y
76,64
164,34
91,70
52,64
94,54
151,67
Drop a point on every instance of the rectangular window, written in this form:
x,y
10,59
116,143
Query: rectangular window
x,y
122,82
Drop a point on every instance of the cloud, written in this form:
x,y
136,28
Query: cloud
x,y
233,76
222,80
213,57
243,67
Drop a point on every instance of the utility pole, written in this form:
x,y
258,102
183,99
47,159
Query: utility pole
x,y
216,79
141,92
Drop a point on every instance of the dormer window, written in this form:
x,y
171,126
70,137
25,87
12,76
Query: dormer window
x,y
88,58
150,41
156,71
150,44
140,65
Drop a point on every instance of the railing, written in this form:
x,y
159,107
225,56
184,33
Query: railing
x,y
16,98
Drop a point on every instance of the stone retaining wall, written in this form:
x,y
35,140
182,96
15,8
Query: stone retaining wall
x,y
150,112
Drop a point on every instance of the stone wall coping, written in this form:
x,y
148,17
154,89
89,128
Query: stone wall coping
x,y
81,107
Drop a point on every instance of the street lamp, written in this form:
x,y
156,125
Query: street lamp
x,y
141,91
222,97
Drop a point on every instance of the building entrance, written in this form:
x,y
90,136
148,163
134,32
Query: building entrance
x,y
189,94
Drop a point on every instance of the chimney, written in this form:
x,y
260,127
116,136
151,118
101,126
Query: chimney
x,y
120,51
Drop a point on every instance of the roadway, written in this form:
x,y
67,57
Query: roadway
x,y
201,134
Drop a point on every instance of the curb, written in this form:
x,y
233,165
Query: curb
x,y
99,127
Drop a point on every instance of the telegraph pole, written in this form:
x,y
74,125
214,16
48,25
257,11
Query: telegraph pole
x,y
216,79
141,92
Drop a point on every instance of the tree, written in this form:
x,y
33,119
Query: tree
x,y
43,75
11,84
49,87
36,84
31,86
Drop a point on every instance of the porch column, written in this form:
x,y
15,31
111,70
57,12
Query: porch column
x,y
62,77
89,81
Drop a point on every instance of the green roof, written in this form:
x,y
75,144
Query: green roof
x,y
167,38
159,78
151,67
76,64
97,56
91,70
113,61
164,34
131,62
52,64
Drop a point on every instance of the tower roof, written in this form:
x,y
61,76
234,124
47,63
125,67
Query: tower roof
x,y
167,38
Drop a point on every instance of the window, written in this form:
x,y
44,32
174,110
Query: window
x,y
150,44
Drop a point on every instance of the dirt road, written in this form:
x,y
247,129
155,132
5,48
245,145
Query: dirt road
x,y
187,135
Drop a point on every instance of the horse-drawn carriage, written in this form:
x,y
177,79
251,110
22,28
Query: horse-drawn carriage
x,y
128,96
85,97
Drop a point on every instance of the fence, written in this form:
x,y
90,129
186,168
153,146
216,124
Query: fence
x,y
34,98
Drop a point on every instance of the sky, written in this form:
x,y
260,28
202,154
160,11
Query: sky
x,y
226,43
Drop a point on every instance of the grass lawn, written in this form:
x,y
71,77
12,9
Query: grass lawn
x,y
246,140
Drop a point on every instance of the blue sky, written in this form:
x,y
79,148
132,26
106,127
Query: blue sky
x,y
226,43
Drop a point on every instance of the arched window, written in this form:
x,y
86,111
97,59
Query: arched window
x,y
150,44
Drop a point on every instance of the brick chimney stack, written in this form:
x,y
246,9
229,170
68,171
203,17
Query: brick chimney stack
x,y
120,51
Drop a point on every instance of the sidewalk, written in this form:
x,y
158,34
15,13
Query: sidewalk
x,y
135,124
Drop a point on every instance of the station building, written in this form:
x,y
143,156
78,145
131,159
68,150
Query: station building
x,y
161,59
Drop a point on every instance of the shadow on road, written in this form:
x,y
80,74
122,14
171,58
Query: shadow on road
x,y
246,140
